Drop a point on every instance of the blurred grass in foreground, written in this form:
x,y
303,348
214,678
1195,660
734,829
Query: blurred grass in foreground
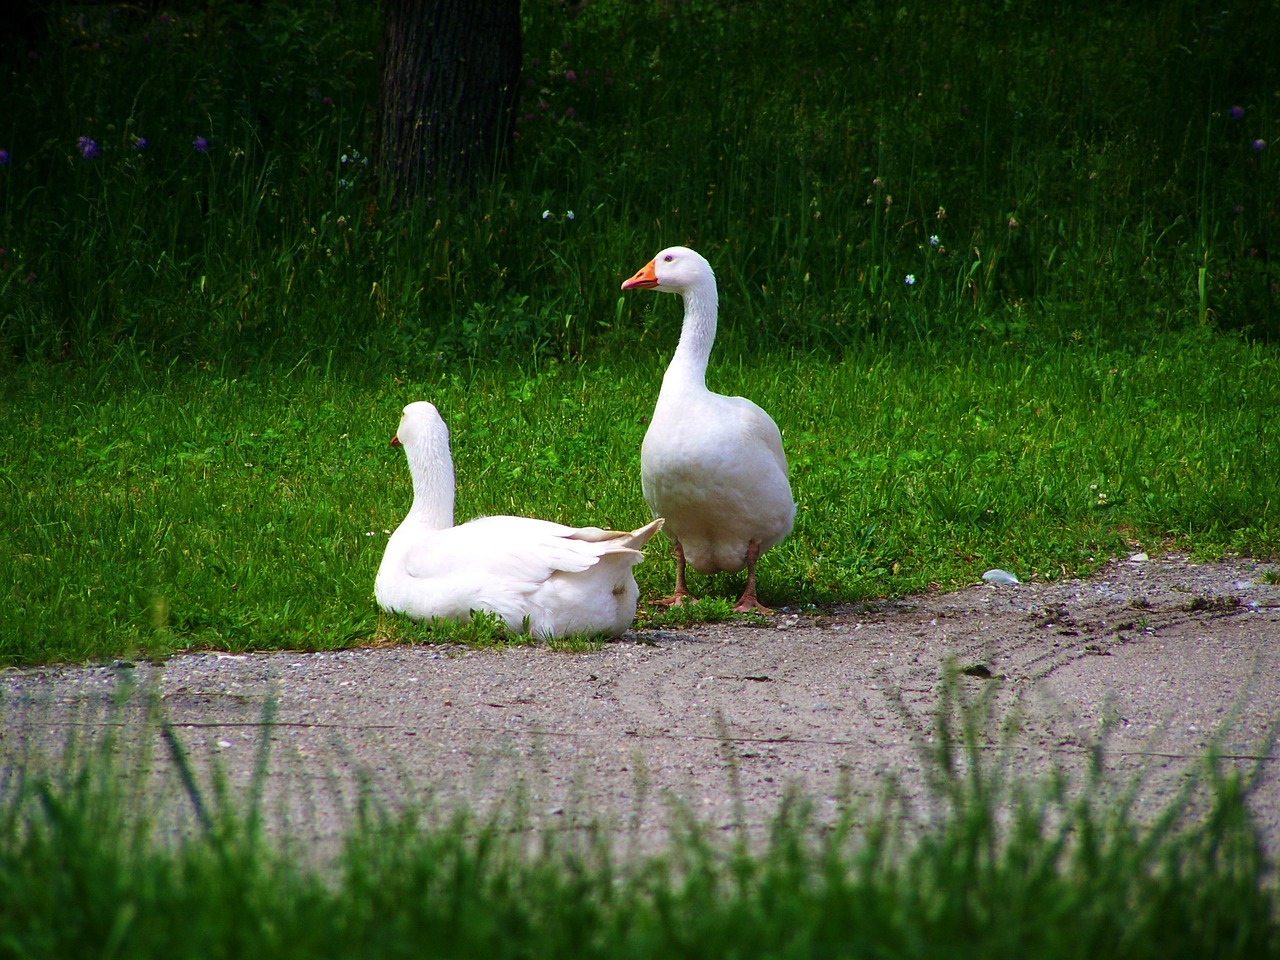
x,y
988,865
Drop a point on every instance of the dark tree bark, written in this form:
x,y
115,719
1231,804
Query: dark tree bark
x,y
450,70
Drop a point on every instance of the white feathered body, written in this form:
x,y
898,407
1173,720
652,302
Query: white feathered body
x,y
548,578
711,465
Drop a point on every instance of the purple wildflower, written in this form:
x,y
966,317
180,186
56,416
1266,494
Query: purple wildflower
x,y
88,148
200,144
139,143
570,112
1258,145
1236,112
4,157
571,76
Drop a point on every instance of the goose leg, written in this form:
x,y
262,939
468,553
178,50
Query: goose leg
x,y
682,593
748,603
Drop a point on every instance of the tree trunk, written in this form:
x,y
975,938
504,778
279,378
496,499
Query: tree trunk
x,y
450,70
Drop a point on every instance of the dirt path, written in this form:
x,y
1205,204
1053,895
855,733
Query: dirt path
x,y
722,719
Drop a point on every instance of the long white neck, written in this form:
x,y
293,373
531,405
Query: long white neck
x,y
698,334
431,466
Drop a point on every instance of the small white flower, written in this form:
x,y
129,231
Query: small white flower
x,y
911,280
933,241
546,214
344,158
568,215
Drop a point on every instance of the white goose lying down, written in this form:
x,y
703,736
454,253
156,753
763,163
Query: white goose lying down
x,y
563,580
712,465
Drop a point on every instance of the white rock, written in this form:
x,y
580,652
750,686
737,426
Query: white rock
x,y
1002,577
1138,558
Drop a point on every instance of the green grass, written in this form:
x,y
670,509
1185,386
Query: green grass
x,y
204,347
987,865
152,510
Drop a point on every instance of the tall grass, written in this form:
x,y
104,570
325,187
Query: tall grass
x,y
1038,170
1002,867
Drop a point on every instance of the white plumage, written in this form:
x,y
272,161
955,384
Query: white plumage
x,y
557,579
712,465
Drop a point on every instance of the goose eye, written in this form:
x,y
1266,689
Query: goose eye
x,y
668,258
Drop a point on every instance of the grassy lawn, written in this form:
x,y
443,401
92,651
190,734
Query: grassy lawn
x,y
159,510
1007,312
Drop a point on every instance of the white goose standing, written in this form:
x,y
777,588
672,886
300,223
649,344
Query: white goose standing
x,y
712,465
545,577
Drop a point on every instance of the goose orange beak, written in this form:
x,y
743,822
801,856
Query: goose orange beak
x,y
395,441
645,278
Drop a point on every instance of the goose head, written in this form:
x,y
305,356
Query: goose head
x,y
420,425
425,439
674,270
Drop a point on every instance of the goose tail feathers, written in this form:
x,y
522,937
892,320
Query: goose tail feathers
x,y
619,539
